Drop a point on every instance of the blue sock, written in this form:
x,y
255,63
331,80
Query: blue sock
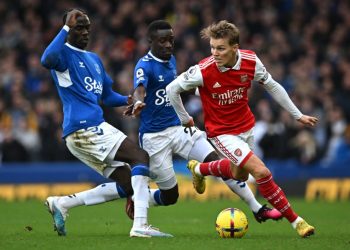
x,y
140,170
157,197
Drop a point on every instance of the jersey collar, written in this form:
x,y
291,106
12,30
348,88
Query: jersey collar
x,y
237,66
156,58
75,48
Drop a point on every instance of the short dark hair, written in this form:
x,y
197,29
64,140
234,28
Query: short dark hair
x,y
157,25
69,10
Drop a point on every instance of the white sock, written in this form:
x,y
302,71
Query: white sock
x,y
100,194
294,223
141,195
243,191
151,200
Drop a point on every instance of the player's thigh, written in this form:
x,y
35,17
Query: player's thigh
x,y
131,153
233,148
89,160
201,149
191,143
248,137
162,169
94,145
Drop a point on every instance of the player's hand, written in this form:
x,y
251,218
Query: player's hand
x,y
190,123
128,110
308,120
72,16
134,109
138,106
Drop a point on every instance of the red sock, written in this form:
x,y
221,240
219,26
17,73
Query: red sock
x,y
219,168
275,195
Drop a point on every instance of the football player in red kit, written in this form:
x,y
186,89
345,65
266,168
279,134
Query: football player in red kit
x,y
223,80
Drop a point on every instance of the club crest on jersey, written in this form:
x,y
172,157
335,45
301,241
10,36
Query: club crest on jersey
x,y
98,70
244,78
161,78
238,152
139,73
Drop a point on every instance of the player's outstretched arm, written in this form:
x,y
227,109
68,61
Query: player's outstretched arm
x,y
281,96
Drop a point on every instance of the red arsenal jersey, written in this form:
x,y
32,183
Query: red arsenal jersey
x,y
224,95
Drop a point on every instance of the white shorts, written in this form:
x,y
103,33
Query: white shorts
x,y
97,146
237,148
189,143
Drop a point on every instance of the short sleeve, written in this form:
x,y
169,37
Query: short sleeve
x,y
261,74
140,76
191,79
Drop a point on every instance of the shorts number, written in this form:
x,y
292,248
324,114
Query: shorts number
x,y
97,130
190,130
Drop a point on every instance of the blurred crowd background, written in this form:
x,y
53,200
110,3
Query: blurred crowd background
x,y
304,44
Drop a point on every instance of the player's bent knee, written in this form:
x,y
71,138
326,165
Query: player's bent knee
x,y
213,156
170,200
242,177
170,197
238,173
261,172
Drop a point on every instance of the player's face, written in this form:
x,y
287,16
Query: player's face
x,y
162,44
224,53
79,34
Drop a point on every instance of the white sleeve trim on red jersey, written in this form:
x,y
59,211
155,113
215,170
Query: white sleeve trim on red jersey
x,y
261,75
282,98
173,91
191,79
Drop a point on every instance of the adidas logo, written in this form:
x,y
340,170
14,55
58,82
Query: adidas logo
x,y
216,85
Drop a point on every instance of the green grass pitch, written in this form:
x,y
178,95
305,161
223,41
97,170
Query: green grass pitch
x,y
191,222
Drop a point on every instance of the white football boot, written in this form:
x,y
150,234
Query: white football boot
x,y
58,213
148,231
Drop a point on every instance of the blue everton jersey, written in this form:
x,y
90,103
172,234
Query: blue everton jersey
x,y
155,74
81,82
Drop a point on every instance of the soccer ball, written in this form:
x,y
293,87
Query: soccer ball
x,y
231,223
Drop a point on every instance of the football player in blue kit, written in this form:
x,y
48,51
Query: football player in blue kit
x,y
82,82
